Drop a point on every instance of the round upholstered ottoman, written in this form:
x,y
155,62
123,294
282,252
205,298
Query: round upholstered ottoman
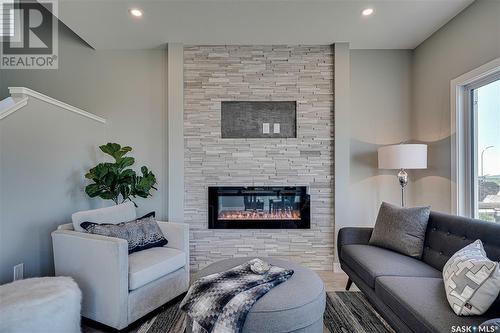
x,y
50,304
296,305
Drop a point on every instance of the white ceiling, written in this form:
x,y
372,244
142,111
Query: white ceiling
x,y
396,24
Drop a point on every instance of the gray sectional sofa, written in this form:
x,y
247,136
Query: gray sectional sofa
x,y
409,293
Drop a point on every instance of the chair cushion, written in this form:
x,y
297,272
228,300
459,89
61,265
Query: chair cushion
x,y
421,303
115,214
370,262
148,265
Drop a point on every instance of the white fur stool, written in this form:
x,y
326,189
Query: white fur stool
x,y
49,304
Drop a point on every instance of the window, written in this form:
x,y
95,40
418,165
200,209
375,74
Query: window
x,y
6,18
485,159
475,143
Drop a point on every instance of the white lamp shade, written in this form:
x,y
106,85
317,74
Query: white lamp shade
x,y
403,156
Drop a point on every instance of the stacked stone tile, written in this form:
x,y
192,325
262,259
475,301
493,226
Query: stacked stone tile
x,y
259,73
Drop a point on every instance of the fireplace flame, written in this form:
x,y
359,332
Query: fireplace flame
x,y
259,215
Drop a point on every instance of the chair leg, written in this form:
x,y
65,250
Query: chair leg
x,y
349,284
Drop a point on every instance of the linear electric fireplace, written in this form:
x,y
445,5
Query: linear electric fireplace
x,y
265,207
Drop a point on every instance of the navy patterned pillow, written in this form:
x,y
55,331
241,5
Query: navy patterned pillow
x,y
153,214
141,234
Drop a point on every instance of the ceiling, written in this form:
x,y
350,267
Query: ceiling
x,y
395,24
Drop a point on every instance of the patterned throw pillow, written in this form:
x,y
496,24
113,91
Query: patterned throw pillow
x,y
471,280
141,234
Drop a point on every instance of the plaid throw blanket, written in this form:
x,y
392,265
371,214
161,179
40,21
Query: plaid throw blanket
x,y
220,302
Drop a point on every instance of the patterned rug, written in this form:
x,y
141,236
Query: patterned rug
x,y
350,312
167,319
346,312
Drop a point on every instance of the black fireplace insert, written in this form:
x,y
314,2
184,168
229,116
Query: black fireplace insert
x,y
264,207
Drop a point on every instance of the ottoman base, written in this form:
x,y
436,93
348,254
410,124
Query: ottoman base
x,y
296,305
40,305
316,327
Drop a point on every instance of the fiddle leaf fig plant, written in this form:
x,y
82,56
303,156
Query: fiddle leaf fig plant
x,y
116,180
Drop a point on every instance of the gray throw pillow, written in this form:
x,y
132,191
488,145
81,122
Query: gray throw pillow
x,y
401,229
140,234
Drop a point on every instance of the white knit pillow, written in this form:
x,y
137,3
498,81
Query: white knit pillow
x,y
115,214
471,280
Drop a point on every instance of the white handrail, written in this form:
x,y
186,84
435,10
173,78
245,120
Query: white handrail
x,y
25,93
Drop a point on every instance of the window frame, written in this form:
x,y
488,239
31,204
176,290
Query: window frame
x,y
464,189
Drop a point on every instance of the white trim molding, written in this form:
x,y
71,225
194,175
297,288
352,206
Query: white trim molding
x,y
25,93
460,180
175,131
14,107
342,137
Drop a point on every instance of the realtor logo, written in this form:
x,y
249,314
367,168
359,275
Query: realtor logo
x,y
29,34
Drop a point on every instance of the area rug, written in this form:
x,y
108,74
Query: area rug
x,y
350,312
168,319
346,312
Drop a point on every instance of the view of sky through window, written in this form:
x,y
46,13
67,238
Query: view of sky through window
x,y
488,150
489,128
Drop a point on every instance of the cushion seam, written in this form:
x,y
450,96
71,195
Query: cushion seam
x,y
154,265
295,307
382,274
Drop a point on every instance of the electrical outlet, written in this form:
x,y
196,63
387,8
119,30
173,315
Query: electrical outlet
x,y
19,272
276,128
265,128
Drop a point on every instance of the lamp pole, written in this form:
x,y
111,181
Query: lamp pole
x,y
403,181
482,156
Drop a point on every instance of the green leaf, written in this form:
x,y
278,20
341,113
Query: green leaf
x,y
115,179
110,148
93,190
115,150
125,162
109,195
127,176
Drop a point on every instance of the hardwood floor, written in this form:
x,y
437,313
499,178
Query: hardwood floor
x,y
333,282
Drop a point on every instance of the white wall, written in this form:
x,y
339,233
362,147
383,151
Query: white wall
x,y
125,87
44,151
468,41
380,115
372,109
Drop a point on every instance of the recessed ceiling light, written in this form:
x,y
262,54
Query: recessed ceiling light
x,y
367,11
136,12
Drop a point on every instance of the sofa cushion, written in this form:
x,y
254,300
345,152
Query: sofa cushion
x,y
115,214
401,229
148,265
370,262
421,303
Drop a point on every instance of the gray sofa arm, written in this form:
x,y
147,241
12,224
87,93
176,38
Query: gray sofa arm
x,y
352,235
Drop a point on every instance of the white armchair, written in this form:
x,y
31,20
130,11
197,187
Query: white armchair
x,y
119,288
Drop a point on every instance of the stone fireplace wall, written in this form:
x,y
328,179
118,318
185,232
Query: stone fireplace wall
x,y
259,73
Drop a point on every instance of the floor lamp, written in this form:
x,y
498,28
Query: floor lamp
x,y
403,157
